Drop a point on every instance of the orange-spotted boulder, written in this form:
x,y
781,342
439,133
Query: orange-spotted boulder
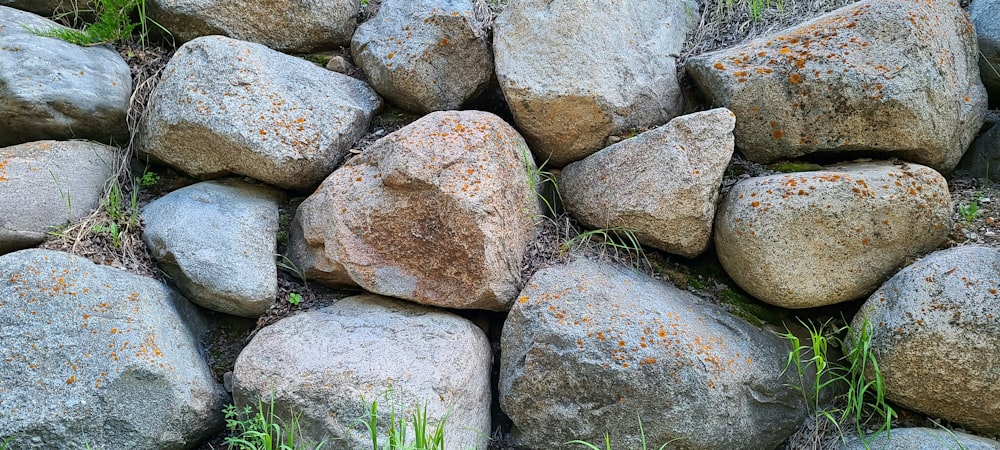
x,y
893,76
807,239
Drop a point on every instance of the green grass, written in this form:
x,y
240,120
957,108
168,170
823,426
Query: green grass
x,y
607,440
397,429
6,442
261,429
793,166
754,7
113,23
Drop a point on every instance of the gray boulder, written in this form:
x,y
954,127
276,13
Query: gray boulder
x,y
936,321
217,240
51,89
893,76
985,14
596,69
589,346
94,356
63,180
662,184
424,55
919,439
44,8
329,364
808,239
982,160
225,106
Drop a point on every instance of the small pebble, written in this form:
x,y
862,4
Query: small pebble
x,y
338,64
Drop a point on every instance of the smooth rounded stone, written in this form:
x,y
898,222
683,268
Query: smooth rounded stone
x,y
92,355
44,8
51,89
293,26
936,321
662,184
808,239
424,55
217,241
892,76
63,180
329,364
230,107
439,212
590,345
566,104
985,15
919,439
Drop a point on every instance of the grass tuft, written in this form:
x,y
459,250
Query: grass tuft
x,y
396,430
607,440
261,429
113,23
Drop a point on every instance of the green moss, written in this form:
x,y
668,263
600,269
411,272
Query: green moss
x,y
317,58
793,166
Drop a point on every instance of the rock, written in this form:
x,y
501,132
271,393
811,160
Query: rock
x,y
47,184
662,184
326,364
424,55
985,15
982,160
225,106
306,252
587,344
439,212
294,26
919,439
94,355
338,64
892,76
937,321
809,239
44,8
217,241
51,89
566,104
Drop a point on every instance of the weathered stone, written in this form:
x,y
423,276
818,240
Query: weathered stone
x,y
565,104
589,346
893,76
44,8
424,55
95,356
985,15
936,321
662,184
217,241
225,106
982,160
51,89
919,439
326,364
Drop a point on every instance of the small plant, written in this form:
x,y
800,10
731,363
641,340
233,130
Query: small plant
x,y
970,210
396,431
6,442
621,242
113,24
65,196
289,265
607,440
148,179
755,7
295,298
261,429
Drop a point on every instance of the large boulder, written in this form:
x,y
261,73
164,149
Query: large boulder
x,y
892,76
596,69
51,89
328,365
424,55
47,184
589,346
936,321
217,241
662,184
985,14
439,212
94,356
918,439
982,160
226,106
808,239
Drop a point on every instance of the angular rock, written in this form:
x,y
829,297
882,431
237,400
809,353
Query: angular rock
x,y
217,241
588,344
919,439
225,106
439,212
892,76
937,321
307,251
662,184
808,239
296,26
424,55
982,160
597,68
63,180
94,355
985,15
326,364
51,89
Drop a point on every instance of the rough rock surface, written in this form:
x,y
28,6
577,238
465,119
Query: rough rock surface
x,y
879,75
985,14
295,26
662,184
424,55
920,439
65,181
217,241
44,8
597,68
52,89
982,160
439,212
937,321
92,355
226,106
808,239
586,345
326,364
